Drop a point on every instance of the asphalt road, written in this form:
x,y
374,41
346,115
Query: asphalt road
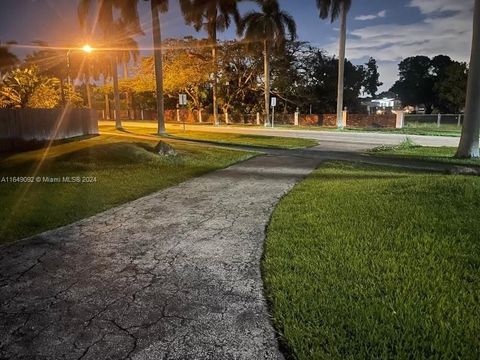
x,y
329,140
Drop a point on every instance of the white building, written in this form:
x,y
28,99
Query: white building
x,y
382,105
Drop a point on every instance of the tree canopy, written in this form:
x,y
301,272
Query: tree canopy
x,y
424,81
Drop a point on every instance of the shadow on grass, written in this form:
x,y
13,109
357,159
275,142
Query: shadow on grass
x,y
30,145
419,160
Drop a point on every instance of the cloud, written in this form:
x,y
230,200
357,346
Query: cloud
x,y
380,14
432,6
365,17
445,27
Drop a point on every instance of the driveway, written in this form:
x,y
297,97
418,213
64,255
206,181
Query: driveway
x,y
174,275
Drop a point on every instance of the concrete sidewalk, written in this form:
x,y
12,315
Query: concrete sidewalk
x,y
175,275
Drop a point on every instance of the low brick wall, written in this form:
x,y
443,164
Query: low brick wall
x,y
365,121
303,119
360,120
19,126
326,120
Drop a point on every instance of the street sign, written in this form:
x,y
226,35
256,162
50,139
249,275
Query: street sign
x,y
273,101
182,99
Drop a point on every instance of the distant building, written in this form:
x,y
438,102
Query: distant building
x,y
384,103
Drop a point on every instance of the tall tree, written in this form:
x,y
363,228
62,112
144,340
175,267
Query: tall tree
x,y
128,53
286,74
371,77
211,16
272,26
241,69
319,81
105,11
158,6
338,9
100,68
187,69
450,89
415,86
469,143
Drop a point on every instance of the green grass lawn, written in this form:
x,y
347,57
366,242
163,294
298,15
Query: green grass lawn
x,y
222,138
122,169
246,139
444,130
408,150
373,263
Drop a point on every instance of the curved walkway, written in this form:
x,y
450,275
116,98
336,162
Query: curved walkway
x,y
174,275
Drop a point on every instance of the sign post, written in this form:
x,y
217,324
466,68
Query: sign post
x,y
182,101
273,104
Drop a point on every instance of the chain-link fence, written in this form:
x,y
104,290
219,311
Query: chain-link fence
x,y
443,121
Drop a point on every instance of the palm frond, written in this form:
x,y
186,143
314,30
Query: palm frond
x,y
332,8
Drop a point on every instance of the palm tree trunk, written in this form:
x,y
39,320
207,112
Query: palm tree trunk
x,y
266,66
107,107
116,93
341,65
215,76
157,51
127,93
107,100
469,143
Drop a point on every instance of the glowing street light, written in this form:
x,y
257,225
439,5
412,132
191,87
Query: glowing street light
x,y
87,48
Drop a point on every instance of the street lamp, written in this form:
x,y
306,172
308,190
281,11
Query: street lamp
x,y
87,48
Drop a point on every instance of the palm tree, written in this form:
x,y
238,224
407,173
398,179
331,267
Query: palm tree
x,y
106,20
469,143
270,26
338,9
128,52
211,16
158,6
100,67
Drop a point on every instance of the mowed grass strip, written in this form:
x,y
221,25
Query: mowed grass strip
x,y
409,150
225,138
426,130
372,263
122,170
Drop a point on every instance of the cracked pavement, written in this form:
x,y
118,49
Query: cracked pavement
x,y
174,275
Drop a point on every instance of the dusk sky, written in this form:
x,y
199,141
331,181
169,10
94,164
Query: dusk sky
x,y
388,30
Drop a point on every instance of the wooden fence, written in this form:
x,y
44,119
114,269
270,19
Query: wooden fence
x,y
20,126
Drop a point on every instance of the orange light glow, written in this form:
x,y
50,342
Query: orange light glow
x,y
87,48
